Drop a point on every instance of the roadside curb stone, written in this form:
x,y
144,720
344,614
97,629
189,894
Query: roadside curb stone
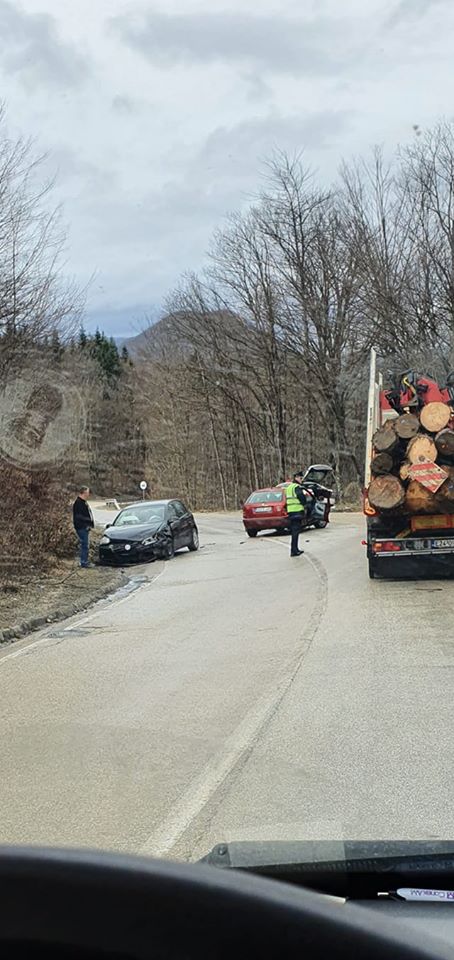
x,y
20,630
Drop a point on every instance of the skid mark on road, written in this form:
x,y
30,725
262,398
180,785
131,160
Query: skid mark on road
x,y
238,747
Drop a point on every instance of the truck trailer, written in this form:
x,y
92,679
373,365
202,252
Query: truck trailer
x,y
415,533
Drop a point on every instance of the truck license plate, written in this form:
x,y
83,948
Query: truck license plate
x,y
440,544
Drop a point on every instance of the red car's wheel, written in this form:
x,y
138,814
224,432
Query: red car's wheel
x,y
252,533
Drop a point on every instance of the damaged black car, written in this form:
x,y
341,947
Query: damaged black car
x,y
149,530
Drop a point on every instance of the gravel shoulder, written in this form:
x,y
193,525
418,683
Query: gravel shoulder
x,y
30,601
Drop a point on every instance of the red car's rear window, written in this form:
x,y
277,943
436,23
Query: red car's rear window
x,y
265,496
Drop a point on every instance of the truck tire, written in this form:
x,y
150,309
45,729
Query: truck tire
x,y
372,568
252,533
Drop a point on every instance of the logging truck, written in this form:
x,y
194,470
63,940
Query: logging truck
x,y
409,478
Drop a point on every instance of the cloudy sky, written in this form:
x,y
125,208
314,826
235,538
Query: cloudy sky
x,y
157,116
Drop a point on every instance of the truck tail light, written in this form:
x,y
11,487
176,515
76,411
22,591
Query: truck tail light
x,y
386,546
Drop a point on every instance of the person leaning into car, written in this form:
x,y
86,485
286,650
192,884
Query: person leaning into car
x,y
83,523
296,507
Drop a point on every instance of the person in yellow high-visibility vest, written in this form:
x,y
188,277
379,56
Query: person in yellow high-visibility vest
x,y
296,507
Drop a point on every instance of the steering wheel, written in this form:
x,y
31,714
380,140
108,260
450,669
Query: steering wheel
x,y
68,904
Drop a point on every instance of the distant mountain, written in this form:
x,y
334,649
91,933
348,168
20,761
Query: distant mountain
x,y
166,336
134,344
149,342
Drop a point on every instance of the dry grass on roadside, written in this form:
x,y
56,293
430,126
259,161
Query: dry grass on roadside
x,y
36,531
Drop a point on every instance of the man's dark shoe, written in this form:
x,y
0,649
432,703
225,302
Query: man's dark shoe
x,y
298,554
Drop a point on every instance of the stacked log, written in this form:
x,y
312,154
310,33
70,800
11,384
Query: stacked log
x,y
398,482
381,463
421,449
435,416
386,493
407,426
444,442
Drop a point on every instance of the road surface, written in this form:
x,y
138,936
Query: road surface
x,y
236,694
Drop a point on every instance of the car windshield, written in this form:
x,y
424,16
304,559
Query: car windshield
x,y
143,513
226,260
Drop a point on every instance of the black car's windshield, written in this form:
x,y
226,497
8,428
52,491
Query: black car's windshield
x,y
137,515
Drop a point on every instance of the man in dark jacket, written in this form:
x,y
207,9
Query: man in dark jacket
x,y
83,523
296,506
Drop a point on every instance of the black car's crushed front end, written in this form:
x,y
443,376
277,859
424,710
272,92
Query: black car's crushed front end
x,y
116,549
128,551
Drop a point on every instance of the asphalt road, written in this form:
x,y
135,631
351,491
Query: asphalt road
x,y
235,694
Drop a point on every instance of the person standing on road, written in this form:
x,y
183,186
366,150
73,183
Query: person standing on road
x,y
296,506
83,523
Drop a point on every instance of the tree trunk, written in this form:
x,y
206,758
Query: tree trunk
x,y
214,439
421,448
250,445
386,493
435,416
381,463
444,442
404,470
385,440
406,426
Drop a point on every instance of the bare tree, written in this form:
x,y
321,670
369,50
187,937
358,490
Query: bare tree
x,y
34,300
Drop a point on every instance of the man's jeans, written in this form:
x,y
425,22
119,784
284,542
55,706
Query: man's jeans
x,y
83,535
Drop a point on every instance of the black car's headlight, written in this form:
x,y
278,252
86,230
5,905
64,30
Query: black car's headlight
x,y
148,542
104,540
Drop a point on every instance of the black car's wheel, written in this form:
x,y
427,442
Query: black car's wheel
x,y
372,568
252,533
194,544
320,524
169,548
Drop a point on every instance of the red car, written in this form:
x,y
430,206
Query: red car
x,y
267,510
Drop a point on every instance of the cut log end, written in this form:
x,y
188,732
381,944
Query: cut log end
x,y
420,500
435,416
382,463
444,442
407,426
421,448
385,440
386,493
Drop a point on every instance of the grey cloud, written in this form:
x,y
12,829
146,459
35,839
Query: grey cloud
x,y
410,10
31,47
283,45
241,148
170,229
125,105
257,89
65,166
